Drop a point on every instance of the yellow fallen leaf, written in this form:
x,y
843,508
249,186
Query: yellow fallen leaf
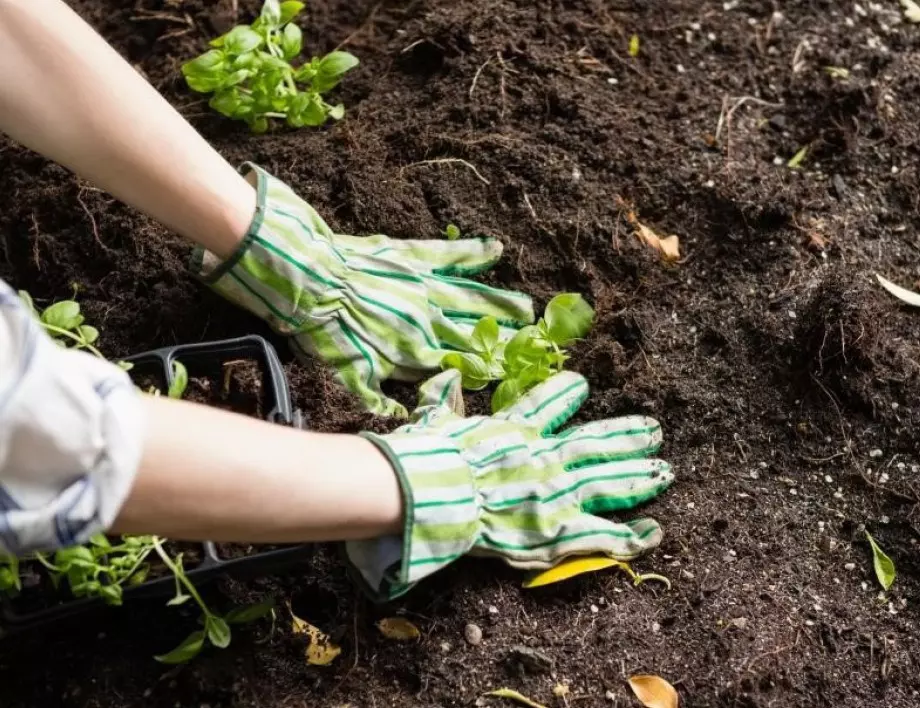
x,y
398,628
513,695
575,566
911,10
653,691
668,247
320,651
903,294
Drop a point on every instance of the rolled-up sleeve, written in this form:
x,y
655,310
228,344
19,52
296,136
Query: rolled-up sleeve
x,y
71,430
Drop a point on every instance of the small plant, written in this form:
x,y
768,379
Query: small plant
x,y
452,232
102,568
249,71
534,354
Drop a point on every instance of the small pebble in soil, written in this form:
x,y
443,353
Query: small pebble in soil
x,y
849,566
875,454
610,696
828,479
595,609
445,647
656,627
883,477
473,634
493,610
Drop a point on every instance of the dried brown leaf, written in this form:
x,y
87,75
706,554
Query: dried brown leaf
x,y
398,628
653,691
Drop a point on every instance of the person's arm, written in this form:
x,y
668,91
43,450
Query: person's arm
x,y
207,474
65,93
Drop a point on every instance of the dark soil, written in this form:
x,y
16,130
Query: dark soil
x,y
786,379
232,551
233,385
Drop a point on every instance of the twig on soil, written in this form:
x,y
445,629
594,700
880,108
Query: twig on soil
x,y
364,25
725,116
530,208
445,161
477,74
36,233
92,221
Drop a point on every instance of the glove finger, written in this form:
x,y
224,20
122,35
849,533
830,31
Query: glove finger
x,y
621,485
583,534
603,441
440,400
359,368
550,404
466,256
468,301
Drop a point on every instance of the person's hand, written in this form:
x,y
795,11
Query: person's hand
x,y
375,307
507,486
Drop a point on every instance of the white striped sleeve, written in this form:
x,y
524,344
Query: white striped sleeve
x,y
71,430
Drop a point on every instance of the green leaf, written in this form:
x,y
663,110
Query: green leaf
x,y
218,631
204,84
568,317
485,335
64,314
473,370
525,348
208,64
289,10
306,109
452,232
250,613
796,160
634,46
242,39
258,125
508,392
291,41
180,380
271,13
335,64
337,112
140,575
100,540
179,599
187,650
884,566
90,334
111,594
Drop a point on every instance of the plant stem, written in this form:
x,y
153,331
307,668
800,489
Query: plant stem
x,y
180,576
74,337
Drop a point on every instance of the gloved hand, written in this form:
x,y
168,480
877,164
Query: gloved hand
x,y
373,307
506,486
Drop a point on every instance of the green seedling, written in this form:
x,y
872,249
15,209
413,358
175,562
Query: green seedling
x,y
531,356
249,72
452,232
103,568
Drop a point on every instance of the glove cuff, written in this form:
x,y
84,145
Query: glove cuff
x,y
284,264
442,512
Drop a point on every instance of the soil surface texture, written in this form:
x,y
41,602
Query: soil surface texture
x,y
785,378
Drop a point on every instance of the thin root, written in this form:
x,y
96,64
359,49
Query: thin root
x,y
449,160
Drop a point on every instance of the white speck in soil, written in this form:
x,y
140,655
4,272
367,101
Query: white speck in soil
x,y
656,627
828,479
875,454
493,610
849,566
610,696
594,609
445,647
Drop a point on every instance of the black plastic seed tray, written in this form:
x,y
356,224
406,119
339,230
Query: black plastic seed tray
x,y
276,405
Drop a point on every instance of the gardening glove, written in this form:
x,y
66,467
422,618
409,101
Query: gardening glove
x,y
374,308
507,486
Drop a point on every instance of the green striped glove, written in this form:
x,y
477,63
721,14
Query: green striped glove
x,y
507,486
374,308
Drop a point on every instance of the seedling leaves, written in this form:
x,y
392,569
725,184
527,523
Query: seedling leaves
x,y
513,695
884,566
568,317
452,232
634,46
903,294
575,566
796,160
320,651
653,691
507,392
64,314
485,335
187,650
398,628
218,631
473,370
180,380
250,613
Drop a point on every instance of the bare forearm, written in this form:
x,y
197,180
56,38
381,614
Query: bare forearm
x,y
64,92
209,474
